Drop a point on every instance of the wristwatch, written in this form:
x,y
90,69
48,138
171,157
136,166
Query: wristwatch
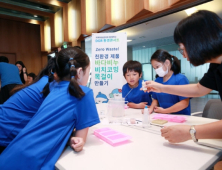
x,y
193,134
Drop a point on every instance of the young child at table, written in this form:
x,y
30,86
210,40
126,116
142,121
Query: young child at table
x,y
132,71
167,68
68,106
17,111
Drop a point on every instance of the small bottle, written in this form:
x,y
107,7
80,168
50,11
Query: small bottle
x,y
146,117
144,88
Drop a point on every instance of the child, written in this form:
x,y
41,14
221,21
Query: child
x,y
31,78
167,67
16,112
132,71
66,107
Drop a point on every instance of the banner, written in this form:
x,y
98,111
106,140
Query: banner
x,y
109,54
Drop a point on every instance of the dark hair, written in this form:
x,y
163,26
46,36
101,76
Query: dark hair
x,y
4,59
47,71
132,66
21,63
78,47
32,75
201,34
68,61
21,74
162,56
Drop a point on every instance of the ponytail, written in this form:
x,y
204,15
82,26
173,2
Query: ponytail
x,y
175,65
46,89
74,88
49,70
68,61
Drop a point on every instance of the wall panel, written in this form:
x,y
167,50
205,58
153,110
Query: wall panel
x,y
23,39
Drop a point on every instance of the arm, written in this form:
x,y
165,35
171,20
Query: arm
x,y
189,90
180,133
137,106
153,105
25,74
77,142
209,131
175,108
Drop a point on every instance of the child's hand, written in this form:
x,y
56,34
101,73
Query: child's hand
x,y
77,143
150,110
142,105
159,110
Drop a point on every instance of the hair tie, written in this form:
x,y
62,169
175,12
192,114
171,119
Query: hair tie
x,y
172,59
70,59
72,66
72,77
52,72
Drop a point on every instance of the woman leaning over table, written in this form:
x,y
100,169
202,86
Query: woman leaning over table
x,y
199,37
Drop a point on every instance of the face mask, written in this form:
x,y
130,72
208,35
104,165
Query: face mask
x,y
161,72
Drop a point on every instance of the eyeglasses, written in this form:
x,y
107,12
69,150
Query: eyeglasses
x,y
180,50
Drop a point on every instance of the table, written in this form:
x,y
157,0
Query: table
x,y
145,150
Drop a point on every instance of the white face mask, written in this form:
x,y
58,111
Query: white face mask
x,y
161,72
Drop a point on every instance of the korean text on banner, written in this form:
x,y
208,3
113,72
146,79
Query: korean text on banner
x,y
109,54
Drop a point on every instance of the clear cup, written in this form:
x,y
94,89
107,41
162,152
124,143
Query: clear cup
x,y
116,110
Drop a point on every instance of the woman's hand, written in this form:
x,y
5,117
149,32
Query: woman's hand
x,y
159,110
76,143
153,86
24,70
176,134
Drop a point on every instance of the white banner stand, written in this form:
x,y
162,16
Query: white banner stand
x,y
109,54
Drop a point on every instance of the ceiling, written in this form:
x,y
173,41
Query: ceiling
x,y
15,8
40,10
164,27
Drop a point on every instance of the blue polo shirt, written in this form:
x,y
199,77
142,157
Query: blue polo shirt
x,y
41,142
167,100
9,74
17,111
135,95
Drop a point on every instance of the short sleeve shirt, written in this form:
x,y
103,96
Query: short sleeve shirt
x,y
213,78
135,95
17,111
9,74
166,100
41,142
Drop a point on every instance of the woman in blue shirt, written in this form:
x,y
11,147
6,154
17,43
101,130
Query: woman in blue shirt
x,y
68,106
167,68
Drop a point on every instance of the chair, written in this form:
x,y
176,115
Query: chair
x,y
213,109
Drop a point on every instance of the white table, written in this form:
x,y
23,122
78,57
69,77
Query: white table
x,y
146,150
